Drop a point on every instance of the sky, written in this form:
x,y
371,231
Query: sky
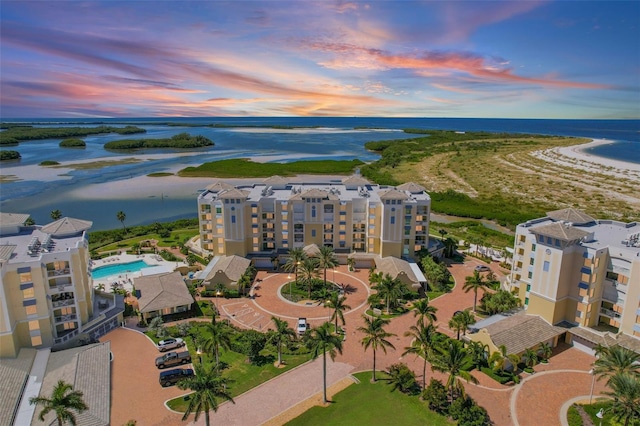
x,y
481,59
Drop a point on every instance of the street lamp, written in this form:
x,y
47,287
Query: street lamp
x,y
199,352
600,415
290,294
593,382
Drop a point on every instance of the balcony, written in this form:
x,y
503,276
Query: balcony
x,y
65,318
63,303
58,272
66,336
609,313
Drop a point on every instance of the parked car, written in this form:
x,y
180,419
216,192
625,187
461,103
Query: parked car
x,y
303,326
168,344
173,358
482,268
171,377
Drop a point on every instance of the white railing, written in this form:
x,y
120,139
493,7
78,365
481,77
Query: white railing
x,y
65,318
609,313
60,303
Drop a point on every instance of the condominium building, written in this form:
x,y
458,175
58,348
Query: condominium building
x,y
569,267
46,294
351,215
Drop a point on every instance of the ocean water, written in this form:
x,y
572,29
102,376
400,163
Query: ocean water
x,y
332,138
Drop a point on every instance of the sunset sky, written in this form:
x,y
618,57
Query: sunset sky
x,y
511,59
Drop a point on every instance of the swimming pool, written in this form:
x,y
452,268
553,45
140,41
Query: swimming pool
x,y
118,269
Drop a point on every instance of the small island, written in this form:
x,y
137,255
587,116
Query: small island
x,y
245,168
13,135
181,140
9,155
73,143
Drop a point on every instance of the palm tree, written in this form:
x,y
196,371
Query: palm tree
x,y
337,303
498,359
479,352
62,401
296,256
375,337
456,361
351,263
219,337
425,311
309,271
461,321
56,214
491,280
326,260
244,282
474,282
442,232
208,386
423,343
121,217
530,357
626,397
450,247
617,360
390,290
281,335
545,350
322,340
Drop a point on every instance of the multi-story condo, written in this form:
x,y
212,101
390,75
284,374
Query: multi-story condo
x,y
46,294
278,214
571,267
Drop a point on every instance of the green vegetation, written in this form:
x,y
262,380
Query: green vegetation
x,y
371,403
168,234
573,416
16,134
99,164
237,168
73,143
160,174
181,140
475,232
9,155
49,163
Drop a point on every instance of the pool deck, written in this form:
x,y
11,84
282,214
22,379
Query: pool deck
x,y
126,278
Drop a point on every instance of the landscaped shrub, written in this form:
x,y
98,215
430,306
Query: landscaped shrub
x,y
468,413
436,396
500,377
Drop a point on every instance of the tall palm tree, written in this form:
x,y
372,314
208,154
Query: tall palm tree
x,y
218,337
281,335
423,343
337,303
375,337
626,397
390,290
474,282
208,387
456,361
63,401
461,321
122,217
56,214
456,325
296,256
309,272
479,352
450,247
499,359
321,340
423,311
327,260
617,359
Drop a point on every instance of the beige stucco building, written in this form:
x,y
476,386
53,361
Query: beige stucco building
x,y
351,215
46,294
571,267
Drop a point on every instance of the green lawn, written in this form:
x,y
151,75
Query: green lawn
x,y
243,168
177,236
374,404
244,375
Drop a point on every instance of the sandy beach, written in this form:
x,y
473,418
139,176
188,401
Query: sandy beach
x,y
577,157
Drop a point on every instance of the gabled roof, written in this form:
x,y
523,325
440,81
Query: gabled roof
x,y
413,188
233,193
275,180
13,219
311,250
66,226
562,231
232,266
574,216
162,291
6,250
393,194
315,193
394,267
14,373
355,180
220,186
521,331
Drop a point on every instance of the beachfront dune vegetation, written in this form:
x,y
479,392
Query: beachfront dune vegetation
x,y
181,140
498,176
242,167
73,143
99,239
16,134
9,155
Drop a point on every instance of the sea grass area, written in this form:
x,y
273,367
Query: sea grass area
x,y
244,168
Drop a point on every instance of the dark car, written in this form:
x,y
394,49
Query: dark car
x,y
171,377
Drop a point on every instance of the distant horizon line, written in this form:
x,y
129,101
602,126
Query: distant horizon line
x,y
32,119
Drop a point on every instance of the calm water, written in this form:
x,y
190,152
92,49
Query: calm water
x,y
336,139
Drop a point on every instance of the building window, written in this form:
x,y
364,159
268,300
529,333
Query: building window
x,y
25,277
393,220
36,340
526,301
545,266
31,310
533,247
531,261
28,293
313,232
34,325
313,211
530,275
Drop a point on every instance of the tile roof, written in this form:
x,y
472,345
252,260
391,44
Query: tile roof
x,y
413,188
66,226
162,291
14,373
315,193
560,230
233,193
220,186
607,339
275,180
571,215
232,266
311,250
13,219
6,250
521,331
354,180
393,194
394,267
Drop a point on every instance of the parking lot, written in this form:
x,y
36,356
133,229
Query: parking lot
x,y
134,381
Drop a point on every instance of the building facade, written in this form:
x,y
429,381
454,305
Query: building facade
x,y
571,267
351,215
46,294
